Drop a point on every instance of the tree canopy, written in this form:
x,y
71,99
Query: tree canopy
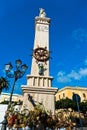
x,y
69,103
4,83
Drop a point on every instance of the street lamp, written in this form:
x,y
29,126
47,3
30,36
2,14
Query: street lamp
x,y
16,74
77,101
76,98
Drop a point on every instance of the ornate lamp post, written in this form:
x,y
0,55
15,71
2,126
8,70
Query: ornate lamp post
x,y
77,101
16,74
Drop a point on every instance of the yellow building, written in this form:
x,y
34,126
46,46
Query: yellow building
x,y
6,97
69,91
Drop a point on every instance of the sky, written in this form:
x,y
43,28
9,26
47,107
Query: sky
x,y
68,39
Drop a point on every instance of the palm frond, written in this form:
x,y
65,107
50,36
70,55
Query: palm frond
x,y
4,83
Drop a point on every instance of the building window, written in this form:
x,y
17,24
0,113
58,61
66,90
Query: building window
x,y
6,99
59,96
63,94
84,95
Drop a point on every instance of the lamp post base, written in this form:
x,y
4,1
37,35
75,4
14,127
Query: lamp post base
x,y
4,123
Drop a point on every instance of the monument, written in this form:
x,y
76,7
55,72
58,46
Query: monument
x,y
39,82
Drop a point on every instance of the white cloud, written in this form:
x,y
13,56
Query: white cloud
x,y
80,35
61,73
83,72
73,75
62,77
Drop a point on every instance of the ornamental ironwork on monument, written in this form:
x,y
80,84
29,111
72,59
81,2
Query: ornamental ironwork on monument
x,y
41,54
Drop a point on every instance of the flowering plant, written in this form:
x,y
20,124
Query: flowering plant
x,y
39,118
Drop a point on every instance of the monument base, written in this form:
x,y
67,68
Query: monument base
x,y
33,96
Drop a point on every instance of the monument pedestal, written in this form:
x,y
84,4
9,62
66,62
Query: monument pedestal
x,y
39,90
46,96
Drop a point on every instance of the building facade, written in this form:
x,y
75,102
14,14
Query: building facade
x,y
6,97
68,92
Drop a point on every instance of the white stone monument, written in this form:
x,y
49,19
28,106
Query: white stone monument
x,y
39,82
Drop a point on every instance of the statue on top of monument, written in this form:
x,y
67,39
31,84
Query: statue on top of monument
x,y
42,13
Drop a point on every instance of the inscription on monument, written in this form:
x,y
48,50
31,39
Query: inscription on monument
x,y
42,28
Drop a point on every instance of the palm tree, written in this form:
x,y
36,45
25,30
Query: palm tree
x,y
4,83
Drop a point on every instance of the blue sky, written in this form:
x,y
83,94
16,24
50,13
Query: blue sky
x,y
68,38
